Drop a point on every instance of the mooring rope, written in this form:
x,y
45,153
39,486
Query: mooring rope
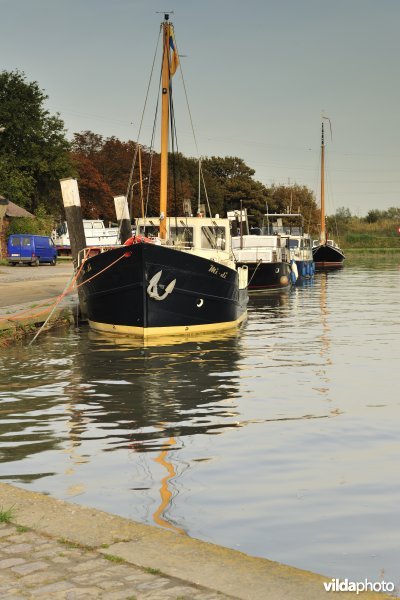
x,y
69,288
255,270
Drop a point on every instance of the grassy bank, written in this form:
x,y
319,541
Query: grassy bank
x,y
371,241
354,233
377,251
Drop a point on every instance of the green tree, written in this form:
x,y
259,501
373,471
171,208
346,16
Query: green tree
x,y
295,199
393,213
375,215
42,224
231,182
34,152
229,167
14,184
343,214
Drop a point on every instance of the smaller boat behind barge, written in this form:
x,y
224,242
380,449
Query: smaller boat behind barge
x,y
290,227
265,256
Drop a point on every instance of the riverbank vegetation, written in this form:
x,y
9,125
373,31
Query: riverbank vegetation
x,y
378,230
35,154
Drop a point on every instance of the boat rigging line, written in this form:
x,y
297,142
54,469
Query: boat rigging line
x,y
129,187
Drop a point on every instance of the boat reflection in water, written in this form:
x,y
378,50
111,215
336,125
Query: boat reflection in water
x,y
269,305
150,400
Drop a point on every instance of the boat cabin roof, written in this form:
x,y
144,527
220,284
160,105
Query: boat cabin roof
x,y
286,215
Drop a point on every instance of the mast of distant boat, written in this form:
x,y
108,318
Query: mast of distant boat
x,y
322,236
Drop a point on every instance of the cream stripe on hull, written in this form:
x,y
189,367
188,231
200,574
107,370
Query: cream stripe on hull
x,y
149,332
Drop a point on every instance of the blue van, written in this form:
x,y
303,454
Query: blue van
x,y
31,249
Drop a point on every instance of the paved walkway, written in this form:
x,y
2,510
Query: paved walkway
x,y
55,549
24,284
35,566
28,296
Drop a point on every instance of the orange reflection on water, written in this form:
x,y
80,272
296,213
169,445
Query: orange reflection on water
x,y
165,493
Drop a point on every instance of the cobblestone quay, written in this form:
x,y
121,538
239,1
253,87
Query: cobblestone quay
x,y
35,566
54,549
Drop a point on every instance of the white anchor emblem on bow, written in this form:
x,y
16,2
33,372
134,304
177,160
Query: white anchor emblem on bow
x,y
152,287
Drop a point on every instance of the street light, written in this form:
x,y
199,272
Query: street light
x,y
137,182
131,194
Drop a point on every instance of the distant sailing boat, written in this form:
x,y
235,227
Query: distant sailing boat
x,y
326,253
182,280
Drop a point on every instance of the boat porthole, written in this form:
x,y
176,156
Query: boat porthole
x,y
277,270
200,302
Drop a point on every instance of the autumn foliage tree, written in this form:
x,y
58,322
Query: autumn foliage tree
x,y
104,166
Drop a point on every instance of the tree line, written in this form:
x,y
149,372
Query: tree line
x,y
35,154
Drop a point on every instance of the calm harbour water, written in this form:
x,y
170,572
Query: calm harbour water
x,y
281,440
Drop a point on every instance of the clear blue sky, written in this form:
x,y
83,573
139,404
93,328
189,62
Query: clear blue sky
x,y
258,76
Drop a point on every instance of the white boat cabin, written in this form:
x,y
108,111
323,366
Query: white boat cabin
x,y
331,243
289,226
204,236
96,234
258,248
255,245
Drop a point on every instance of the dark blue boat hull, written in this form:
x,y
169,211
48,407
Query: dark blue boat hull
x,y
121,297
268,276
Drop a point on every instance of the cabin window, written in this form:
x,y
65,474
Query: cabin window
x,y
213,237
149,230
62,229
26,241
293,243
97,226
15,241
181,235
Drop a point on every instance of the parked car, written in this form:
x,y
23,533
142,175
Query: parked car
x,y
30,249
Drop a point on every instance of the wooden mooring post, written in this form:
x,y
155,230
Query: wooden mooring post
x,y
123,218
73,213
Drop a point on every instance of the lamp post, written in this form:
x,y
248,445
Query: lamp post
x,y
141,196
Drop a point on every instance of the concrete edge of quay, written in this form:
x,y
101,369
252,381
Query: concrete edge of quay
x,y
196,562
17,322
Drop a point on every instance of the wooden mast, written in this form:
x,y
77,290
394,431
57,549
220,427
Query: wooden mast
x,y
323,233
165,84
